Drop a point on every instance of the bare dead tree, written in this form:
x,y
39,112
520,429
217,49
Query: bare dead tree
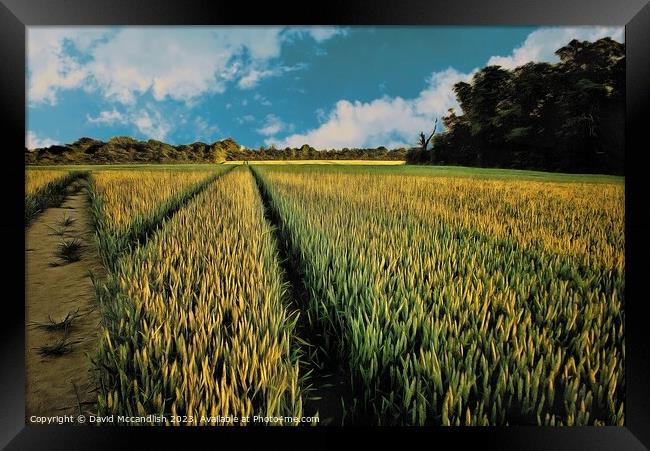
x,y
424,141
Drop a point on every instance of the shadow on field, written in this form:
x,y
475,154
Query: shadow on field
x,y
329,390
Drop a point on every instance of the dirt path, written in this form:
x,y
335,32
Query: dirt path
x,y
55,288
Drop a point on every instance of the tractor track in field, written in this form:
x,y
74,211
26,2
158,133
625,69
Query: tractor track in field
x,y
65,382
133,238
139,238
329,389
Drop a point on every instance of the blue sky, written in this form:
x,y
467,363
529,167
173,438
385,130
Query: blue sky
x,y
330,87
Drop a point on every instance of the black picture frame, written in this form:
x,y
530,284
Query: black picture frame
x,y
16,15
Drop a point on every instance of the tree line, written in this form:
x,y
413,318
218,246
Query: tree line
x,y
307,152
124,149
568,116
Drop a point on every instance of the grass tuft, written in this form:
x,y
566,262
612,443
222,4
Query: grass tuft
x,y
60,347
67,221
70,250
65,324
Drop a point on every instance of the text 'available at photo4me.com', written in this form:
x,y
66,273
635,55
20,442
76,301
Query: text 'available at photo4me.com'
x,y
170,420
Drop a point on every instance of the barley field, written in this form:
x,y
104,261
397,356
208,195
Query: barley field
x,y
200,325
443,296
461,300
36,179
128,204
128,195
46,188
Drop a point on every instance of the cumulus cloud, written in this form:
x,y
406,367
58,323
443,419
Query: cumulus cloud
x,y
395,122
439,95
317,33
272,126
171,63
33,141
204,130
108,118
387,121
245,118
541,44
50,65
175,63
362,124
151,123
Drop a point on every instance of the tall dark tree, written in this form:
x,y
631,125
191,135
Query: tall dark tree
x,y
567,116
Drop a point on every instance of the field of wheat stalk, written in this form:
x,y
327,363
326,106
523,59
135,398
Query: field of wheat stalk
x,y
196,322
462,300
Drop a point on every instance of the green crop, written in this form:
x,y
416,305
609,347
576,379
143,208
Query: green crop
x,y
463,300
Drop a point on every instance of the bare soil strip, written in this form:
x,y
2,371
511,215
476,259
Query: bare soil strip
x,y
62,381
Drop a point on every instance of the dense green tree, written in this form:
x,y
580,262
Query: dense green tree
x,y
568,116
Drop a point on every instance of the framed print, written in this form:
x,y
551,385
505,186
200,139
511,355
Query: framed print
x,y
336,219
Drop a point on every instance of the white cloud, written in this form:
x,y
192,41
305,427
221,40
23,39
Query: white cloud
x,y
320,34
108,118
50,66
367,124
261,99
388,121
178,64
33,141
262,43
541,44
396,122
245,118
204,130
317,33
253,77
272,126
151,123
439,96
175,63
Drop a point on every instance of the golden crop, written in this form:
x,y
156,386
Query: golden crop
x,y
127,195
461,300
450,300
129,205
196,318
37,178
